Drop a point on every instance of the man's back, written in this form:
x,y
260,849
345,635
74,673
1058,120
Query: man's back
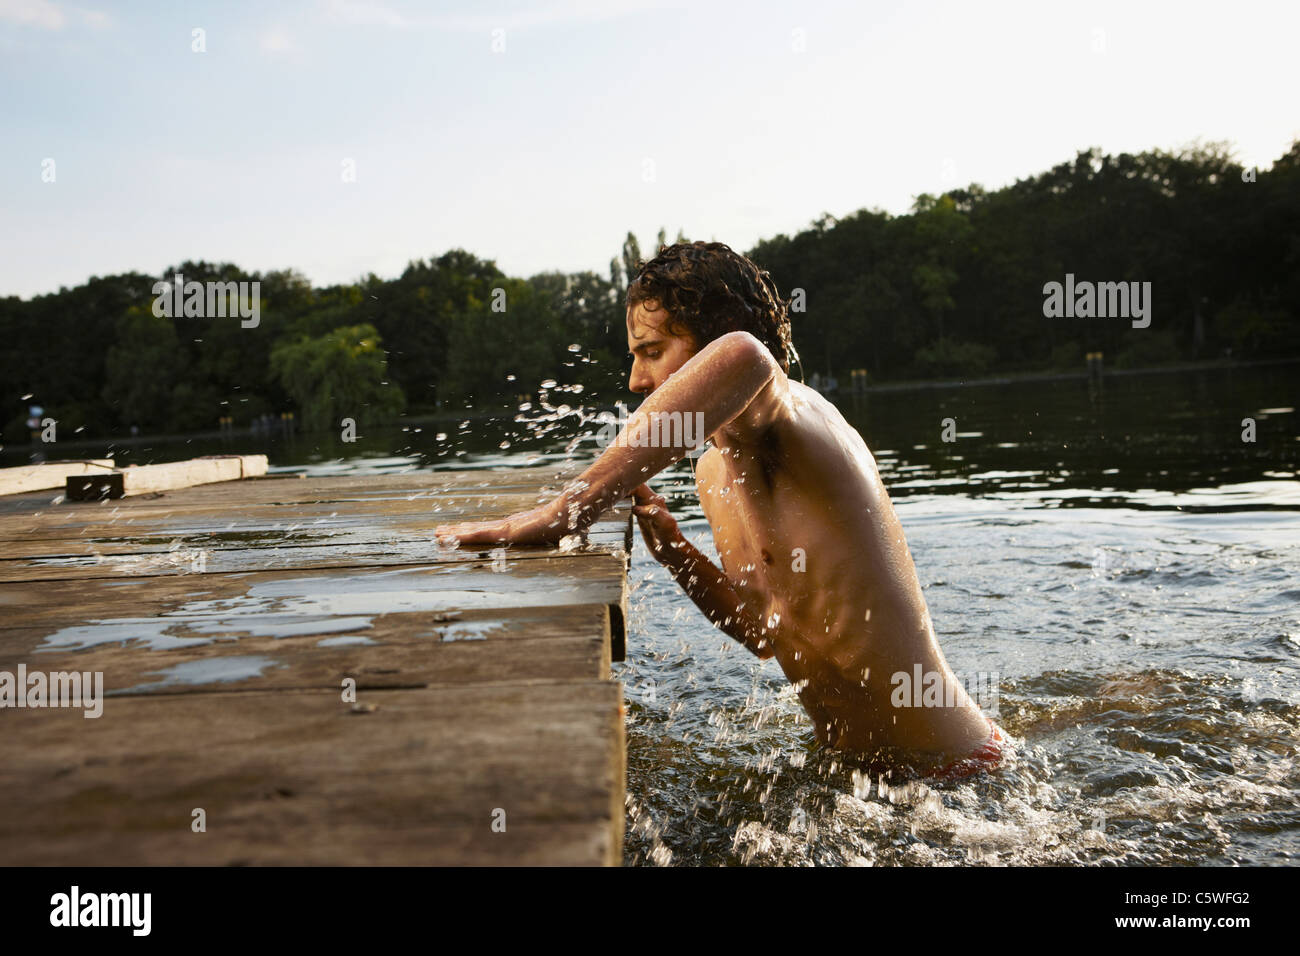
x,y
809,540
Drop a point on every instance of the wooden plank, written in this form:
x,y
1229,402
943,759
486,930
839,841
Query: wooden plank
x,y
543,480
281,487
140,510
312,594
47,474
116,519
299,777
299,487
278,836
149,479
73,560
108,539
138,537
396,650
170,611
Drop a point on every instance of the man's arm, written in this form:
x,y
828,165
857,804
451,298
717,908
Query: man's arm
x,y
719,381
703,582
713,594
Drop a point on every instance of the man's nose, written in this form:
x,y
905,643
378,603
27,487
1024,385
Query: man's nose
x,y
640,382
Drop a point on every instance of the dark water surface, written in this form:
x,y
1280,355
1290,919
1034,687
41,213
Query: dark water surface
x,y
1116,554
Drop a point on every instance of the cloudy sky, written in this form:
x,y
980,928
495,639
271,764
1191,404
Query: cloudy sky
x,y
341,137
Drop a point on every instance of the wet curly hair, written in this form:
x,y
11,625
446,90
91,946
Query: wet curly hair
x,y
710,290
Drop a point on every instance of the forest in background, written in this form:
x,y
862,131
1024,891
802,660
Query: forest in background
x,y
954,289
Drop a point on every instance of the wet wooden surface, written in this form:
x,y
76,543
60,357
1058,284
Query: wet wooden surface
x,y
230,622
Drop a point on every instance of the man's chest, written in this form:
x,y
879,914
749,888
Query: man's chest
x,y
754,536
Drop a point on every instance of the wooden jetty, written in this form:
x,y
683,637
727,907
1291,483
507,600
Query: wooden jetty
x,y
295,673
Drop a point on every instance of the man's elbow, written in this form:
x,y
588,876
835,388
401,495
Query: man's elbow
x,y
745,352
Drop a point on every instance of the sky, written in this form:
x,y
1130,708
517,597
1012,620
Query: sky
x,y
344,137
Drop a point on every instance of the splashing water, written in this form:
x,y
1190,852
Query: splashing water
x,y
1160,726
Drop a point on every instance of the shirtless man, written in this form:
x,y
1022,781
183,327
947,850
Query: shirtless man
x,y
815,571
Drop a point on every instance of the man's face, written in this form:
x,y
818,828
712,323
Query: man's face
x,y
656,352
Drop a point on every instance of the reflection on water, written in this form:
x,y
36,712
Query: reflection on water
x,y
1116,552
215,670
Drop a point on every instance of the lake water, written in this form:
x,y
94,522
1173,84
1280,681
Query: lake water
x,y
1116,557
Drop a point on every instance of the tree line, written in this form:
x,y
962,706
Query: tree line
x,y
955,288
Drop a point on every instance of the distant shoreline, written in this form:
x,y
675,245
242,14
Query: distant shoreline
x,y
841,395
1017,378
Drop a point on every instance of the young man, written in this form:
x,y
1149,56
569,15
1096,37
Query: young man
x,y
815,571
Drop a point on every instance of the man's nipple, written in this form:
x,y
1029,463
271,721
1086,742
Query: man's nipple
x,y
767,558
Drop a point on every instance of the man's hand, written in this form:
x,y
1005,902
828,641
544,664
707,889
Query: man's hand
x,y
658,527
707,586
543,525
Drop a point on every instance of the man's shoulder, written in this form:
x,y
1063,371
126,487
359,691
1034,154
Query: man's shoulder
x,y
814,436
805,414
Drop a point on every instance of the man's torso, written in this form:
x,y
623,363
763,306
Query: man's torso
x,y
811,544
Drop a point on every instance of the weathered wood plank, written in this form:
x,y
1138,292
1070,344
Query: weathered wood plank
x,y
169,611
282,487
545,480
233,535
47,474
148,479
298,777
115,519
293,487
399,650
198,554
280,836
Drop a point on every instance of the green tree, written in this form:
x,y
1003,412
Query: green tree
x,y
341,374
144,367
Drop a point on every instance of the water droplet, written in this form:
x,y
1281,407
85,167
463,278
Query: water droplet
x,y
510,378
504,445
548,383
441,436
575,347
